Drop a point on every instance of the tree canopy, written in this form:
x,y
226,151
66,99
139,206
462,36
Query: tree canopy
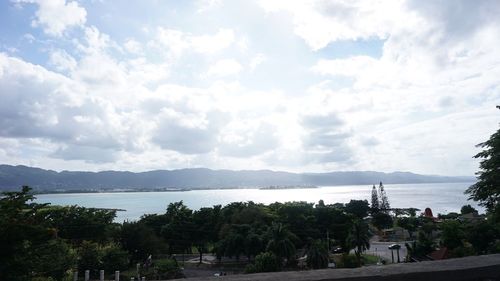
x,y
487,188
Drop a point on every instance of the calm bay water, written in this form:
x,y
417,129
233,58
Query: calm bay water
x,y
440,197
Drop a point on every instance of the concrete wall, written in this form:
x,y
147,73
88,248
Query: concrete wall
x,y
480,268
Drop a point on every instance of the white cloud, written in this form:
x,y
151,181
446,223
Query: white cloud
x,y
256,61
353,66
246,97
225,67
62,61
320,22
132,46
56,16
177,42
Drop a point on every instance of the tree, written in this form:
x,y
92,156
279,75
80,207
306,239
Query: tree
x,y
358,208
482,236
452,234
21,234
253,244
78,223
317,255
53,259
205,223
114,258
140,241
280,242
264,262
467,209
487,188
408,223
359,238
375,204
179,230
382,220
89,257
384,201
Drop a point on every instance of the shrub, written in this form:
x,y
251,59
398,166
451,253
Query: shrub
x,y
250,268
266,262
168,269
348,261
114,258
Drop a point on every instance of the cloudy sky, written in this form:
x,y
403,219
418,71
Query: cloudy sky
x,y
275,84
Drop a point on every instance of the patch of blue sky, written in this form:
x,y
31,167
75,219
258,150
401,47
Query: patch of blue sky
x,y
130,19
372,47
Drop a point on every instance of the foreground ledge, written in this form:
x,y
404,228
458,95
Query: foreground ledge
x,y
485,267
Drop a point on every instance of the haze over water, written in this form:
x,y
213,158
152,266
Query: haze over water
x,y
440,197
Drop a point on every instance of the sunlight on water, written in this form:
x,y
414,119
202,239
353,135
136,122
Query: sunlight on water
x,y
441,197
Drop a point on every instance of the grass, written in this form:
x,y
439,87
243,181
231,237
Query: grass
x,y
370,259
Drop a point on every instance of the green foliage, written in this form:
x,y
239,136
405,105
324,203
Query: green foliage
x,y
487,189
358,208
359,238
266,262
408,223
482,236
178,231
452,234
375,207
467,209
317,255
280,242
53,259
299,219
384,201
114,258
79,223
141,241
89,256
348,261
424,245
449,216
250,268
168,269
206,221
21,235
382,220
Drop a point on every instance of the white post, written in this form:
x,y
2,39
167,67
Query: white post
x,y
137,268
117,275
101,275
75,275
87,275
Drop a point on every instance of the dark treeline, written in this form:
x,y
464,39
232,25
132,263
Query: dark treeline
x,y
43,242
39,240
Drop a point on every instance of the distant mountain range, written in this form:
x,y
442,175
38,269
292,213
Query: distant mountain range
x,y
13,177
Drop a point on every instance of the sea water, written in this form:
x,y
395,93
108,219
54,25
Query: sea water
x,y
440,197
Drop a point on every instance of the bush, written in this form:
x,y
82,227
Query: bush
x,y
348,261
250,268
168,269
382,221
265,262
89,257
114,258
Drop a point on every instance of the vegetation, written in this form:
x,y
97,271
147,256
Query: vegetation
x,y
487,189
39,241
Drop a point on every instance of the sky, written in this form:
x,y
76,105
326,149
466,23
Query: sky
x,y
300,86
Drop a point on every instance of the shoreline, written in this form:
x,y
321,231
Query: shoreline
x,y
121,190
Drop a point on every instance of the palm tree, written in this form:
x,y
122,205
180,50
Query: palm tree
x,y
359,238
280,242
317,255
